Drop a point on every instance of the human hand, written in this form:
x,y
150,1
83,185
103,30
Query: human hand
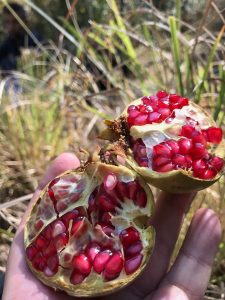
x,y
186,279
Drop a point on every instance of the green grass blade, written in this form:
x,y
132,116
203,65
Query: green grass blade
x,y
208,64
120,23
221,98
176,53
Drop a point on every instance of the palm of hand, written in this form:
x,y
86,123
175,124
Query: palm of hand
x,y
186,279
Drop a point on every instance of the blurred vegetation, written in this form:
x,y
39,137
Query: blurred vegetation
x,y
100,55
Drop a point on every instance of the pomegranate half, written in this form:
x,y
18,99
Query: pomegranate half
x,y
172,142
88,232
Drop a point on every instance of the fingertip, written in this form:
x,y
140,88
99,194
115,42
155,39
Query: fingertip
x,y
65,161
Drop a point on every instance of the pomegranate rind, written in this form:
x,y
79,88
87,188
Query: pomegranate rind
x,y
179,181
93,285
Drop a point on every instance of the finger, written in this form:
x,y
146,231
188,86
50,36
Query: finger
x,y
62,163
191,271
167,220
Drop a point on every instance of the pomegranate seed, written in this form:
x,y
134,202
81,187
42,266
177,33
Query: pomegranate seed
x,y
133,249
101,260
131,108
41,242
106,217
154,117
132,187
165,168
163,104
82,264
58,227
142,108
188,161
109,276
173,146
71,215
39,262
77,224
198,151
183,102
129,236
38,225
143,163
105,203
31,251
77,277
179,161
60,241
50,250
197,137
165,112
110,182
132,264
141,198
161,94
48,272
141,119
159,161
174,98
209,173
214,135
161,150
199,165
187,131
174,106
145,100
114,264
134,113
122,190
107,229
53,263
185,146
217,163
92,250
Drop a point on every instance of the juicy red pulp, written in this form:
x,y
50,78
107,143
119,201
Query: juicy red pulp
x,y
48,251
190,151
155,109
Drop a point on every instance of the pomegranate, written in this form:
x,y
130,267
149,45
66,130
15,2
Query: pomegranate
x,y
171,142
88,232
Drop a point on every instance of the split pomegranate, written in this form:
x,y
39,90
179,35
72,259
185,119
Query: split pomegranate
x,y
173,143
88,232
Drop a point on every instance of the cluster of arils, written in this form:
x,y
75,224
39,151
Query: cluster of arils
x,y
88,232
171,136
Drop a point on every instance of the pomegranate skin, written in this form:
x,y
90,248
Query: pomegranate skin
x,y
199,138
70,266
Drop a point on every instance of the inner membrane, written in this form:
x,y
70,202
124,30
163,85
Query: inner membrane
x,y
99,238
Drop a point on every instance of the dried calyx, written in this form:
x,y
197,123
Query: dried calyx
x,y
173,143
88,234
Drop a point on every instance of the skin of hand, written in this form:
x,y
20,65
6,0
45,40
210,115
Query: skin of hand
x,y
186,279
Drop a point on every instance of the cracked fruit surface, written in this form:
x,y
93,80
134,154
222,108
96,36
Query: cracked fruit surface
x,y
174,144
88,232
